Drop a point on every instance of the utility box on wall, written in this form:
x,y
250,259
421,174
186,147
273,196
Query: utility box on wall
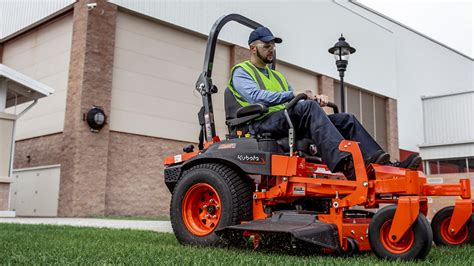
x,y
35,191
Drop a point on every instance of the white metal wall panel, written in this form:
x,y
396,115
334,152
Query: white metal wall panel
x,y
18,14
449,119
35,191
155,71
43,54
448,151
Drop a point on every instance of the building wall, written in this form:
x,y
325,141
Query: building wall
x,y
39,151
390,59
135,183
22,14
449,125
310,51
145,81
422,68
154,75
43,54
299,79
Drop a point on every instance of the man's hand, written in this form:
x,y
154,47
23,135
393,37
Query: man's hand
x,y
322,99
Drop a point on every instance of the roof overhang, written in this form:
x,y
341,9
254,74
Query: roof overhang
x,y
21,88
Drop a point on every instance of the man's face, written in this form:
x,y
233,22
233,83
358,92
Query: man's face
x,y
265,51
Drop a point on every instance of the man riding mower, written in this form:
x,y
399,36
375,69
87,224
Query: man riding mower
x,y
277,174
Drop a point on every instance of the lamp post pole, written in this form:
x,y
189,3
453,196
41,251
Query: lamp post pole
x,y
343,94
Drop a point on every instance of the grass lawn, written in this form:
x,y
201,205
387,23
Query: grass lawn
x,y
46,244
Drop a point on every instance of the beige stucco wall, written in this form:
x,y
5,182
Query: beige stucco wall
x,y
43,54
299,79
155,71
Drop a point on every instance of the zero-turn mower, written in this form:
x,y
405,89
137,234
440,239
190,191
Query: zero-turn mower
x,y
257,189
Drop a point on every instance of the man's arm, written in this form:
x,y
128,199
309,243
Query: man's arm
x,y
249,90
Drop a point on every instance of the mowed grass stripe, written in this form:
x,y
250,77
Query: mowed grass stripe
x,y
48,244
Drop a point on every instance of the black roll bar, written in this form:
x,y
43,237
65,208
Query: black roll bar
x,y
204,83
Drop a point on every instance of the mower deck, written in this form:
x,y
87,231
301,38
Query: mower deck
x,y
304,227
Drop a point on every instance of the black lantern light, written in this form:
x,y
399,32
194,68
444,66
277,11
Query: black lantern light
x,y
96,118
341,52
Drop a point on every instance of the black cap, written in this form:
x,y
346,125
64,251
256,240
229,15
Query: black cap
x,y
263,34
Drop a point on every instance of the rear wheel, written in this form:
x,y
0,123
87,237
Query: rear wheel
x,y
209,197
441,233
414,244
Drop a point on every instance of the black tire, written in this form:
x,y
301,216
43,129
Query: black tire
x,y
415,244
233,191
441,236
429,242
352,247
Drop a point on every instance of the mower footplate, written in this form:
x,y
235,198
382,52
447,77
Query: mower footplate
x,y
304,227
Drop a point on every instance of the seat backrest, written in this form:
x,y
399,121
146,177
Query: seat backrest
x,y
230,105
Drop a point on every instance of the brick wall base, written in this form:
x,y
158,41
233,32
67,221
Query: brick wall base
x,y
4,195
439,202
41,151
135,183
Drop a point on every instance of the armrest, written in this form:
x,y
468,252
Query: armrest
x,y
294,101
251,110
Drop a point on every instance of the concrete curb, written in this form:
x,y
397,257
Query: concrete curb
x,y
157,226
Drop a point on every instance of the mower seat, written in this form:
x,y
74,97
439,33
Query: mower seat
x,y
238,119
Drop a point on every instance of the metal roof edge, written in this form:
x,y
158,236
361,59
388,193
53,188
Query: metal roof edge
x,y
425,145
354,2
445,95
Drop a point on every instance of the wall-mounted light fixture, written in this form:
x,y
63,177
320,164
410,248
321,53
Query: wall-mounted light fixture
x,y
96,118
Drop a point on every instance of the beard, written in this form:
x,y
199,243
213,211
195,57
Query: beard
x,y
263,58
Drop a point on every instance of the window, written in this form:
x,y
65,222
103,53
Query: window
x,y
369,110
433,167
450,166
471,165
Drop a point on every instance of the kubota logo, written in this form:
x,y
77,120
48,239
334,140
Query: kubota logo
x,y
251,158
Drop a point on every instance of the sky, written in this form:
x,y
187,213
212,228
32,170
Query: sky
x,y
447,21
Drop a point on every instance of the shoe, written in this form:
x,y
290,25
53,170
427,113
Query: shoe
x,y
412,162
348,168
380,157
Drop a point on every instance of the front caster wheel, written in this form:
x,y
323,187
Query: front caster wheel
x,y
414,244
441,233
351,247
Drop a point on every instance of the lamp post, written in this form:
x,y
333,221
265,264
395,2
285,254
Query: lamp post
x,y
341,51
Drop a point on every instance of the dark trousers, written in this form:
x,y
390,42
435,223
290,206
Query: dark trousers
x,y
327,131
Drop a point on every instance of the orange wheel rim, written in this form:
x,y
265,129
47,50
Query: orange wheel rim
x,y
201,209
402,246
453,239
